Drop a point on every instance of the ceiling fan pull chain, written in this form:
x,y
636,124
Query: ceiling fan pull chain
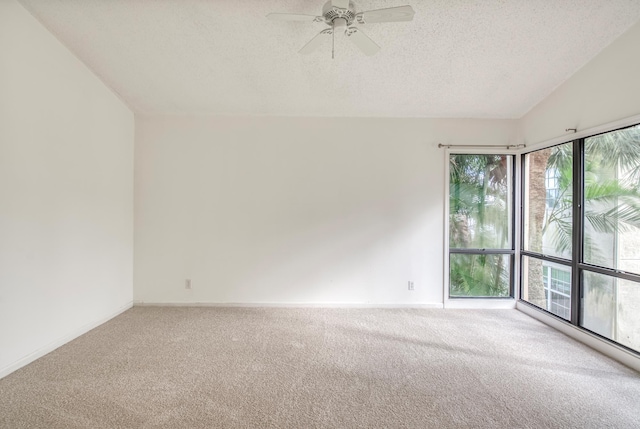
x,y
333,41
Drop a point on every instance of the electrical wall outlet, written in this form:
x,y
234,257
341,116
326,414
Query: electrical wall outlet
x,y
411,285
187,284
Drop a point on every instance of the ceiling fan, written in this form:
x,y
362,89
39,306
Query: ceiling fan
x,y
343,13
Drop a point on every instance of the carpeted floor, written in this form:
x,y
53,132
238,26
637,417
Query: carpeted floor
x,y
321,368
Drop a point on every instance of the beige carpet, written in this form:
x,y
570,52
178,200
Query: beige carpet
x,y
321,368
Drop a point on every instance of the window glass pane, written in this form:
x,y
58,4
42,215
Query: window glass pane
x,y
548,201
480,206
612,200
611,308
479,275
547,285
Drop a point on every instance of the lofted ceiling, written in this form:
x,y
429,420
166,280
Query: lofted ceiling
x,y
457,58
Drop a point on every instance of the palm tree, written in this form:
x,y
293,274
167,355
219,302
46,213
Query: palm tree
x,y
538,166
611,200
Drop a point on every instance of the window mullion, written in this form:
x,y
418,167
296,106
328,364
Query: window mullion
x,y
577,230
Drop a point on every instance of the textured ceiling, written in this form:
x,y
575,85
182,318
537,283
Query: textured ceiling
x,y
457,58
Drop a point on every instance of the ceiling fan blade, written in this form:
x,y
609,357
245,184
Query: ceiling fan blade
x,y
362,41
291,17
342,4
392,14
315,43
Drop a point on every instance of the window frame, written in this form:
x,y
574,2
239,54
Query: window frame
x,y
512,251
577,265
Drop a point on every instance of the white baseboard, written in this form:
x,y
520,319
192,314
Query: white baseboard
x,y
620,354
61,341
285,305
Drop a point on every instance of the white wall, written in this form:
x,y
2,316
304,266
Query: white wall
x,y
66,194
605,90
294,210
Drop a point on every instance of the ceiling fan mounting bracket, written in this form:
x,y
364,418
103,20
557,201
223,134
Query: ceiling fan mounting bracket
x,y
330,13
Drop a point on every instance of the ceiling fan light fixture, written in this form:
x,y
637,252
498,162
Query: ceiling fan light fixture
x,y
342,13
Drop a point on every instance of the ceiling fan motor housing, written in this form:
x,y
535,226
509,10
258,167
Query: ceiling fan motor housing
x,y
331,13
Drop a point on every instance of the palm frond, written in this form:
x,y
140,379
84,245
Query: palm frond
x,y
619,219
561,157
616,151
561,235
608,191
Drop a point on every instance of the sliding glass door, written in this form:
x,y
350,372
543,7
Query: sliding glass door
x,y
480,225
581,233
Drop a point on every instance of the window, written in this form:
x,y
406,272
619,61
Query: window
x,y
548,229
581,233
551,184
480,225
610,261
557,289
547,285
